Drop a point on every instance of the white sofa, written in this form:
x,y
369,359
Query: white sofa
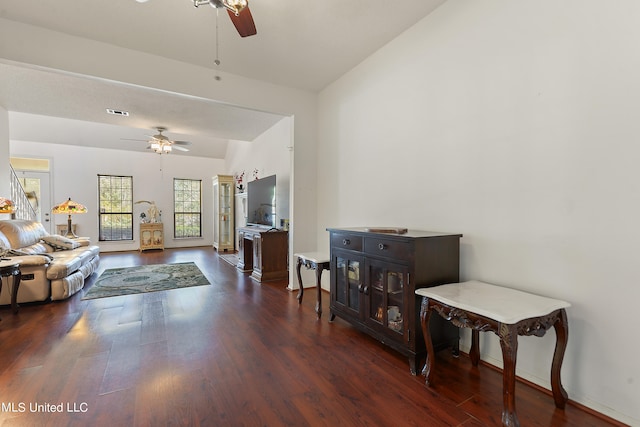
x,y
48,271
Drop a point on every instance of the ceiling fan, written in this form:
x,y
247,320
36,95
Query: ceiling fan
x,y
238,12
160,144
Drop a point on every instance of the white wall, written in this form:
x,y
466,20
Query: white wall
x,y
5,187
75,173
270,153
515,124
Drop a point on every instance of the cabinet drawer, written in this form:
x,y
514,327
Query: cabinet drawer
x,y
388,248
346,241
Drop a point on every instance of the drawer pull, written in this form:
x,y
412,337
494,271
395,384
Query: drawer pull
x,y
382,246
361,288
346,242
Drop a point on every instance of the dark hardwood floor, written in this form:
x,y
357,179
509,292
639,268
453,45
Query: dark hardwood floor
x,y
235,353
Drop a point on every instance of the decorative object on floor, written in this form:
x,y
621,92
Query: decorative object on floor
x,y
146,278
6,206
230,258
69,207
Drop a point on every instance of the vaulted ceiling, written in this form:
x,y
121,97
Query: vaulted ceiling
x,y
301,44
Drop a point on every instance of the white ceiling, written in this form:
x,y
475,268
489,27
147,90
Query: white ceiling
x,y
302,44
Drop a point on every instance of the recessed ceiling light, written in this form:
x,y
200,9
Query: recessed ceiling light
x,y
117,112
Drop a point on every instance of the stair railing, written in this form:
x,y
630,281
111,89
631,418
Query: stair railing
x,y
24,209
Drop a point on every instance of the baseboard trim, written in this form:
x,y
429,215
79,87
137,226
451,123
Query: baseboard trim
x,y
580,406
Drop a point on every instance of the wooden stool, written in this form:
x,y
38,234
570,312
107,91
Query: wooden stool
x,y
508,313
317,261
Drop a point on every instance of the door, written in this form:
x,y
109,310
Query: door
x,y
346,283
385,298
226,220
37,186
216,213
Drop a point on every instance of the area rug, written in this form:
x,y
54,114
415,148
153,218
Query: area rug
x,y
146,278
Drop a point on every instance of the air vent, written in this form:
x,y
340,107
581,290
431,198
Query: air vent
x,y
118,112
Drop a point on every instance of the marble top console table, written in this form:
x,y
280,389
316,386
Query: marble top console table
x,y
506,312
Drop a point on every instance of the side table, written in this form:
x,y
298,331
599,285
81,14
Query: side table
x,y
508,313
317,261
10,268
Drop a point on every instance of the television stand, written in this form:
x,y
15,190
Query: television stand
x,y
263,251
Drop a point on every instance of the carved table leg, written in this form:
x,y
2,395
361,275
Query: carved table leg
x,y
300,285
509,343
14,296
319,269
562,333
414,363
425,315
474,351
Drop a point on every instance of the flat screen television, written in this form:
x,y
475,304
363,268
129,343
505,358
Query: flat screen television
x,y
261,202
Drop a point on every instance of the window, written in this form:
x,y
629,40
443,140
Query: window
x,y
115,195
187,208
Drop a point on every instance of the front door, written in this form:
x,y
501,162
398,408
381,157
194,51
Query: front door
x,y
37,186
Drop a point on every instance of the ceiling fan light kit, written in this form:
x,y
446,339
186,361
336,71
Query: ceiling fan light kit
x,y
161,147
236,6
160,144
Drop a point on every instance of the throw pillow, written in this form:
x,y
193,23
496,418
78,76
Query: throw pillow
x,y
60,243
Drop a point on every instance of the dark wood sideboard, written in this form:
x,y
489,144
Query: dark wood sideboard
x,y
373,281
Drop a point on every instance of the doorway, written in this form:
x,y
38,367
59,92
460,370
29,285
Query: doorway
x,y
37,186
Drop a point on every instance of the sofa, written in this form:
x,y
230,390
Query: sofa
x,y
53,267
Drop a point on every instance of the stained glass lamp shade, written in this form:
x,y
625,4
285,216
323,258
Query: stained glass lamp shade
x,y
69,207
6,206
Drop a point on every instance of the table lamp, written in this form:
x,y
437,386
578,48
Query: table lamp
x,y
7,206
69,207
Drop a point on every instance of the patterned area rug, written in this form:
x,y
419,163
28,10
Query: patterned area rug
x,y
146,278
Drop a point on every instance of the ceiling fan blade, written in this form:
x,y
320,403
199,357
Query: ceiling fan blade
x,y
181,142
129,139
243,22
179,148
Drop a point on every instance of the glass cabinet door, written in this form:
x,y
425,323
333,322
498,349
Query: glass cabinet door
x,y
348,283
385,296
223,214
226,198
216,214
